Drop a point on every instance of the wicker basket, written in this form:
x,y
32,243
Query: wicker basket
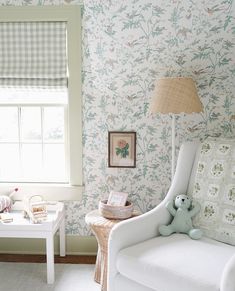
x,y
115,212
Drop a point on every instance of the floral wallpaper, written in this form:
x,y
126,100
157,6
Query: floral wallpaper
x,y
127,46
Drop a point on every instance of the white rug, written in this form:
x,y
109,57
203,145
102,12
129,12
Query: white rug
x,y
32,277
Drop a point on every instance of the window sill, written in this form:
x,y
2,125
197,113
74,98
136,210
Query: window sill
x,y
55,192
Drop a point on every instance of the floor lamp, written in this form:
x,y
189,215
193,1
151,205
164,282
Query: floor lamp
x,y
173,96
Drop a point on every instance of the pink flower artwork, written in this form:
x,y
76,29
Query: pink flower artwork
x,y
122,149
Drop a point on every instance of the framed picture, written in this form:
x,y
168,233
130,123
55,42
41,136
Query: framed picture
x,y
117,198
122,149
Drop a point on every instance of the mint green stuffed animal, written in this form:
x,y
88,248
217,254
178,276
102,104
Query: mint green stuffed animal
x,y
182,218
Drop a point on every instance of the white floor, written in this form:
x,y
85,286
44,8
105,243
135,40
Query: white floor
x,y
32,277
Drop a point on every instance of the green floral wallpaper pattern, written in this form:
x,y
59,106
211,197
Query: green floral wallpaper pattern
x,y
127,45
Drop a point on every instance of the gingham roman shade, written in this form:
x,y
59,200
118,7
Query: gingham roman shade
x,y
33,54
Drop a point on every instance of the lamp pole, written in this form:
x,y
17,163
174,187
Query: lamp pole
x,y
173,95
172,146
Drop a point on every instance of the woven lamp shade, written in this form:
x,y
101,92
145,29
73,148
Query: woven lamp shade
x,y
175,95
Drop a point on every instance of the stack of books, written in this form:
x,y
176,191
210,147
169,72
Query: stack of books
x,y
6,217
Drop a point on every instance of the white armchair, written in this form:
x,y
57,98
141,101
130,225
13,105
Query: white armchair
x,y
141,260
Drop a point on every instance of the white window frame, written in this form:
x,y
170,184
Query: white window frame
x,y
71,14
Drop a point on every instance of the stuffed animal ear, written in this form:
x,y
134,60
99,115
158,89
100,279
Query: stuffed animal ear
x,y
174,199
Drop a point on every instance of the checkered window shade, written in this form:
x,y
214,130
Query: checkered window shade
x,y
33,54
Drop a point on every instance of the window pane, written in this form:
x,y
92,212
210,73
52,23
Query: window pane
x,y
54,162
21,95
8,124
54,124
32,162
31,158
9,162
31,123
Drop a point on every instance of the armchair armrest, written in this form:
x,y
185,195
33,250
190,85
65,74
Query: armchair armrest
x,y
228,278
133,231
144,227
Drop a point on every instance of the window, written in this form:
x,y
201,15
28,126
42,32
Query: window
x,y
33,144
40,95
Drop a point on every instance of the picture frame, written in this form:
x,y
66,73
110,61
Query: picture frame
x,y
122,149
117,198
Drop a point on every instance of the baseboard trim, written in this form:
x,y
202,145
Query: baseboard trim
x,y
70,259
75,245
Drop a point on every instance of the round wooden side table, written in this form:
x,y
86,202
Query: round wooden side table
x,y
101,228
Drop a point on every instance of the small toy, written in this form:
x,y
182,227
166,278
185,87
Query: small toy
x,y
182,217
35,209
6,201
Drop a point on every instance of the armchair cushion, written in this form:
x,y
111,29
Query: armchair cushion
x,y
175,263
213,186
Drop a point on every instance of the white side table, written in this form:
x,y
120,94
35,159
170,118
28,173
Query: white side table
x,y
22,228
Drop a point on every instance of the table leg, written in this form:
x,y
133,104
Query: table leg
x,y
104,268
62,238
50,259
97,276
102,235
